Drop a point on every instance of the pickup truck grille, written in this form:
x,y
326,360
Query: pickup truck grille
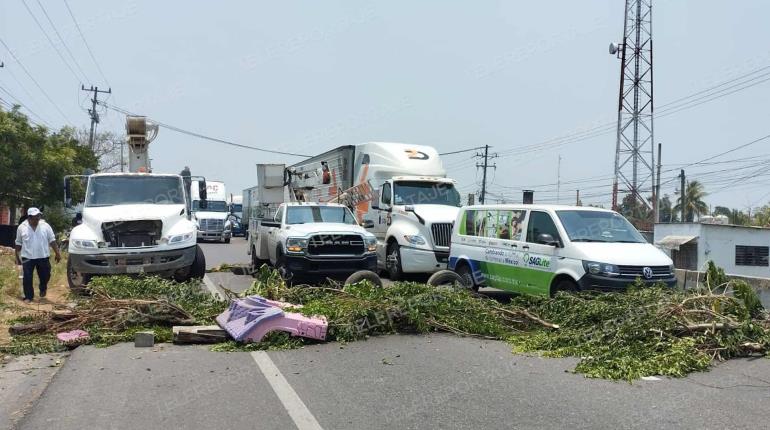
x,y
442,233
658,272
212,224
329,244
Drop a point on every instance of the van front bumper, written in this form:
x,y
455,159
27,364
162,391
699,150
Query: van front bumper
x,y
311,266
416,260
605,283
133,261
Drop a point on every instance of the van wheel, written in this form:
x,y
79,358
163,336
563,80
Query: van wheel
x,y
447,278
77,281
464,270
393,262
564,284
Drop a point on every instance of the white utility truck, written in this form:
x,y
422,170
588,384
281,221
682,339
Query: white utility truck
x,y
136,222
400,189
213,220
313,239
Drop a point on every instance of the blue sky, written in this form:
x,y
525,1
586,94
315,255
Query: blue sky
x,y
306,76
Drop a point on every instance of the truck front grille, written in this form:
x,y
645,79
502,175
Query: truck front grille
x,y
330,244
442,233
211,224
132,234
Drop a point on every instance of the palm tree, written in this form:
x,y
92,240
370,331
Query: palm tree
x,y
695,206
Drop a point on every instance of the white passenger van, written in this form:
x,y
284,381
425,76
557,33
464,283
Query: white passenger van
x,y
541,249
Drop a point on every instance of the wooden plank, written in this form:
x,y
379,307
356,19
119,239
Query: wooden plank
x,y
199,334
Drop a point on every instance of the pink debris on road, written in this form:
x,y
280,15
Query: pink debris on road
x,y
74,337
251,318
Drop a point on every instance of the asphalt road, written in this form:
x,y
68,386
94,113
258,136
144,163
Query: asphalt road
x,y
390,382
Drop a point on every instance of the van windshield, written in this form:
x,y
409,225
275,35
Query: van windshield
x,y
425,193
598,226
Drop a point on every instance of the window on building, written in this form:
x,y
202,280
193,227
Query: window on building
x,y
752,255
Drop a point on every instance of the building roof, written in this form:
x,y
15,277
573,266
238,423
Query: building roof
x,y
711,224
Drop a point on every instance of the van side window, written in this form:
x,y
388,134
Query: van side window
x,y
386,193
541,223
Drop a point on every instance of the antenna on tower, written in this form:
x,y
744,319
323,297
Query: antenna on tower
x,y
634,154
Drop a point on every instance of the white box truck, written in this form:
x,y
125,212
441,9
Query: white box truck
x,y
401,188
213,221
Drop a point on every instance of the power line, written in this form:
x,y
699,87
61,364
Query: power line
x,y
203,136
24,106
88,47
462,151
35,81
74,60
53,45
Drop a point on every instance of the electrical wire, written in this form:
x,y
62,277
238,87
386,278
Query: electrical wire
x,y
462,151
32,78
61,39
53,45
24,106
85,42
202,136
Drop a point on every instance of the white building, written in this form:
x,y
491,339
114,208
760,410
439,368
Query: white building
x,y
739,250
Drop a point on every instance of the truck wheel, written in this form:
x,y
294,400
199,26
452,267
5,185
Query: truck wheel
x,y
364,275
393,262
227,240
283,270
198,268
256,262
447,278
77,281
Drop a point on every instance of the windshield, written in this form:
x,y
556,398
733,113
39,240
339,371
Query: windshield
x,y
237,208
309,214
425,193
211,206
124,190
598,226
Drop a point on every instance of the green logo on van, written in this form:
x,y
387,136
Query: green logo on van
x,y
533,261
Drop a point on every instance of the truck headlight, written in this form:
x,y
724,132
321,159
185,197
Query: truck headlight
x,y
84,244
371,244
296,245
415,239
605,269
179,238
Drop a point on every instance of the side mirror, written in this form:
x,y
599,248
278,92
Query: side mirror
x,y
547,239
367,223
67,193
202,204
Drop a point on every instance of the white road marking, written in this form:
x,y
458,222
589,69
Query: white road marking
x,y
650,378
211,287
299,413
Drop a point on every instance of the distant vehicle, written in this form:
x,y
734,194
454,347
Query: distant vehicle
x,y
313,239
214,220
236,216
542,249
401,189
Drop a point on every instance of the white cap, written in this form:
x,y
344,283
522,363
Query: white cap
x,y
33,212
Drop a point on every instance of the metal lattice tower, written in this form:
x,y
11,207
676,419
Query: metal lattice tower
x,y
634,155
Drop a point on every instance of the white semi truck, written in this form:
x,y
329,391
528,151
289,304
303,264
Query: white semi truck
x,y
136,222
214,220
401,189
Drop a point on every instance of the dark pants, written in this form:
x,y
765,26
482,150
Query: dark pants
x,y
43,267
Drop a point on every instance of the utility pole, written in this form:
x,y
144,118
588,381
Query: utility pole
x,y
634,152
558,180
682,195
656,195
577,197
92,112
485,165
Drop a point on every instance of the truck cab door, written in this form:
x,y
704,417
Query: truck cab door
x,y
381,217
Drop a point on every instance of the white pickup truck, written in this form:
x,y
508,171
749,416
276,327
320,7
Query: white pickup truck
x,y
312,239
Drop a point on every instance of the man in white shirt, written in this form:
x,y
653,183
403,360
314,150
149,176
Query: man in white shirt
x,y
33,238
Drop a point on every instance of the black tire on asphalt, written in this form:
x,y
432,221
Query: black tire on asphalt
x,y
464,270
447,278
256,262
283,270
77,282
393,262
564,284
364,275
227,240
198,268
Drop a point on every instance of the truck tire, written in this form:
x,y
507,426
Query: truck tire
x,y
227,240
198,268
447,278
256,262
283,270
78,282
364,275
393,262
